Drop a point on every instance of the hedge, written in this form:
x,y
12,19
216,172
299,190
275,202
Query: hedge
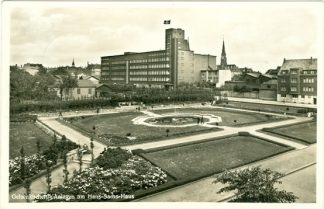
x,y
147,97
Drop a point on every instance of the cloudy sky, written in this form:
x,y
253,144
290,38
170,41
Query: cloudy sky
x,y
256,35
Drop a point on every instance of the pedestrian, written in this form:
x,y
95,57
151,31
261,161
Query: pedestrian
x,y
202,119
198,120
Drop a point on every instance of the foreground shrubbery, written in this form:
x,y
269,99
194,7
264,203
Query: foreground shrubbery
x,y
24,167
31,164
101,184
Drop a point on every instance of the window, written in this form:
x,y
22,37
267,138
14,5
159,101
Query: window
x,y
293,89
293,80
78,91
89,91
283,89
295,95
283,95
283,80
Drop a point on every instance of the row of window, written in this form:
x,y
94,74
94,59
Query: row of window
x,y
138,72
163,79
309,72
121,67
308,89
294,80
159,72
117,78
305,89
158,59
308,80
295,71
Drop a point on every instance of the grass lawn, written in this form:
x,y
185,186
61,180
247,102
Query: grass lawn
x,y
120,124
228,116
207,158
26,135
305,132
263,107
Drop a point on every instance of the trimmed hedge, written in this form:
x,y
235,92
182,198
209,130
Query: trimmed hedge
x,y
23,118
147,97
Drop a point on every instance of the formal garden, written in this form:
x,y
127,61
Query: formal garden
x,y
118,128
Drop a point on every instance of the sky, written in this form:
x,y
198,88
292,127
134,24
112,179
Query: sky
x,y
256,35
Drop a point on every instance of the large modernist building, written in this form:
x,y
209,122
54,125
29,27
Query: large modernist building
x,y
158,69
297,81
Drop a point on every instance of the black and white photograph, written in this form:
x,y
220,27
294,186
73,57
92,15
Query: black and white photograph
x,y
162,104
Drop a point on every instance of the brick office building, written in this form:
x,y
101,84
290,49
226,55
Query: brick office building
x,y
158,69
297,81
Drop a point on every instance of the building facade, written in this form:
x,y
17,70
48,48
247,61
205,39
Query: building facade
x,y
297,81
157,69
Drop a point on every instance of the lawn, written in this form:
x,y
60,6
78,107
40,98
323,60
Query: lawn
x,y
26,135
263,107
203,159
228,116
305,132
120,125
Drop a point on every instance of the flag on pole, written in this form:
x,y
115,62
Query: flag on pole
x,y
166,22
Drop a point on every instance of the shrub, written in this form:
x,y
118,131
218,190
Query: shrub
x,y
113,158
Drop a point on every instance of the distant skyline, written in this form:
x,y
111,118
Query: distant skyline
x,y
259,36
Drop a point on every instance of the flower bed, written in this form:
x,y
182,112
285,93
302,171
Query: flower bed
x,y
99,184
32,167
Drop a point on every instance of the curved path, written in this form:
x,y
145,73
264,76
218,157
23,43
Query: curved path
x,y
39,184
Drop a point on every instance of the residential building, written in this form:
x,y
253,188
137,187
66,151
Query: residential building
x,y
166,68
297,81
85,89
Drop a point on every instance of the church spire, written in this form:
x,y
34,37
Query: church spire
x,y
223,56
73,65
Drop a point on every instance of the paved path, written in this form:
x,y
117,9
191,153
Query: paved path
x,y
204,191
259,101
39,184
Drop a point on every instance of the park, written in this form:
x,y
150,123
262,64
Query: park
x,y
181,143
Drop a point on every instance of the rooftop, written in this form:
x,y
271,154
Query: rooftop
x,y
303,64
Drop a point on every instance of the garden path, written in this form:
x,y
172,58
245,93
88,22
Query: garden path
x,y
39,184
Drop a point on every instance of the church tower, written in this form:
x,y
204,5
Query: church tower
x,y
73,65
223,57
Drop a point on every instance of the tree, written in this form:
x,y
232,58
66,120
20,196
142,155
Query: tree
x,y
80,155
38,146
92,146
65,170
27,184
67,83
22,164
48,175
254,185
